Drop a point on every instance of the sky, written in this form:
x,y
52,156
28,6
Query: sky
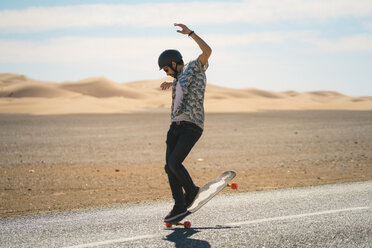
x,y
274,45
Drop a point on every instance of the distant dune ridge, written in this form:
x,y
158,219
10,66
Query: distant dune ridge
x,y
20,94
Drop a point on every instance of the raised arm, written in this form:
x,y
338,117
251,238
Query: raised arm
x,y
206,50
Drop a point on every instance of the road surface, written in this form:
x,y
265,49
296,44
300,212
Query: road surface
x,y
322,216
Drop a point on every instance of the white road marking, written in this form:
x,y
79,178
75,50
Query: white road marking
x,y
288,217
122,240
106,242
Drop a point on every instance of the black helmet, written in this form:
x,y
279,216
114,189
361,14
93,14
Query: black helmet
x,y
166,58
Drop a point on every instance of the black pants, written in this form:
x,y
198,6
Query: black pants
x,y
180,140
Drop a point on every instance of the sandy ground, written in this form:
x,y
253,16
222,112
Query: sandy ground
x,y
55,163
23,95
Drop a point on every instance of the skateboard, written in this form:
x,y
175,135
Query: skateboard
x,y
206,193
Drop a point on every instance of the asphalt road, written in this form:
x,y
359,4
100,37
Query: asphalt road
x,y
323,216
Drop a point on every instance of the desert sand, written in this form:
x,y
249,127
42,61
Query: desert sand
x,y
20,94
95,142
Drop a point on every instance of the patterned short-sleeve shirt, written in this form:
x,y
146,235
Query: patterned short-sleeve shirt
x,y
193,81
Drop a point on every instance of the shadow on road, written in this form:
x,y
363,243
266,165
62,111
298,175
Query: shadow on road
x,y
181,236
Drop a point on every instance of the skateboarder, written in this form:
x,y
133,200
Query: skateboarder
x,y
187,116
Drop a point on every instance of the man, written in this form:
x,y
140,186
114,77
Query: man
x,y
187,115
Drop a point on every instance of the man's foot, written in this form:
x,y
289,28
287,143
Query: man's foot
x,y
175,214
189,198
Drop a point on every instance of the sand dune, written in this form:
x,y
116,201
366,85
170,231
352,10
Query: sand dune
x,y
263,93
34,90
9,78
19,86
291,93
101,88
20,94
362,99
325,93
147,85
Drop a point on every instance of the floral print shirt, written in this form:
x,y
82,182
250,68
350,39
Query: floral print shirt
x,y
193,81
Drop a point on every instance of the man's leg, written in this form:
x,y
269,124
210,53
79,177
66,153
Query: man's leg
x,y
175,185
185,142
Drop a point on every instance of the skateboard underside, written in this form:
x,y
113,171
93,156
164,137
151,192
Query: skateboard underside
x,y
206,193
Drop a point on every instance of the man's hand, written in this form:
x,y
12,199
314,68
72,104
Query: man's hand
x,y
185,29
166,85
206,50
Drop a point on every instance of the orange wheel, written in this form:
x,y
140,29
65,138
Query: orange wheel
x,y
187,224
168,224
234,186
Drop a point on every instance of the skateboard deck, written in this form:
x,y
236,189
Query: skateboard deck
x,y
206,193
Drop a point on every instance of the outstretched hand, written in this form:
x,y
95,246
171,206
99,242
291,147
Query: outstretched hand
x,y
185,29
166,85
206,50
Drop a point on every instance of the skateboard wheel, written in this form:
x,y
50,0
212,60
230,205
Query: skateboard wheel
x,y
234,186
187,224
168,224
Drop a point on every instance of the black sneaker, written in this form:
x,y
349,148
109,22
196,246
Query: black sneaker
x,y
189,198
175,214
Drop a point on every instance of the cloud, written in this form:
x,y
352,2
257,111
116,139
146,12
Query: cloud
x,y
135,52
79,49
356,43
368,25
74,50
38,19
